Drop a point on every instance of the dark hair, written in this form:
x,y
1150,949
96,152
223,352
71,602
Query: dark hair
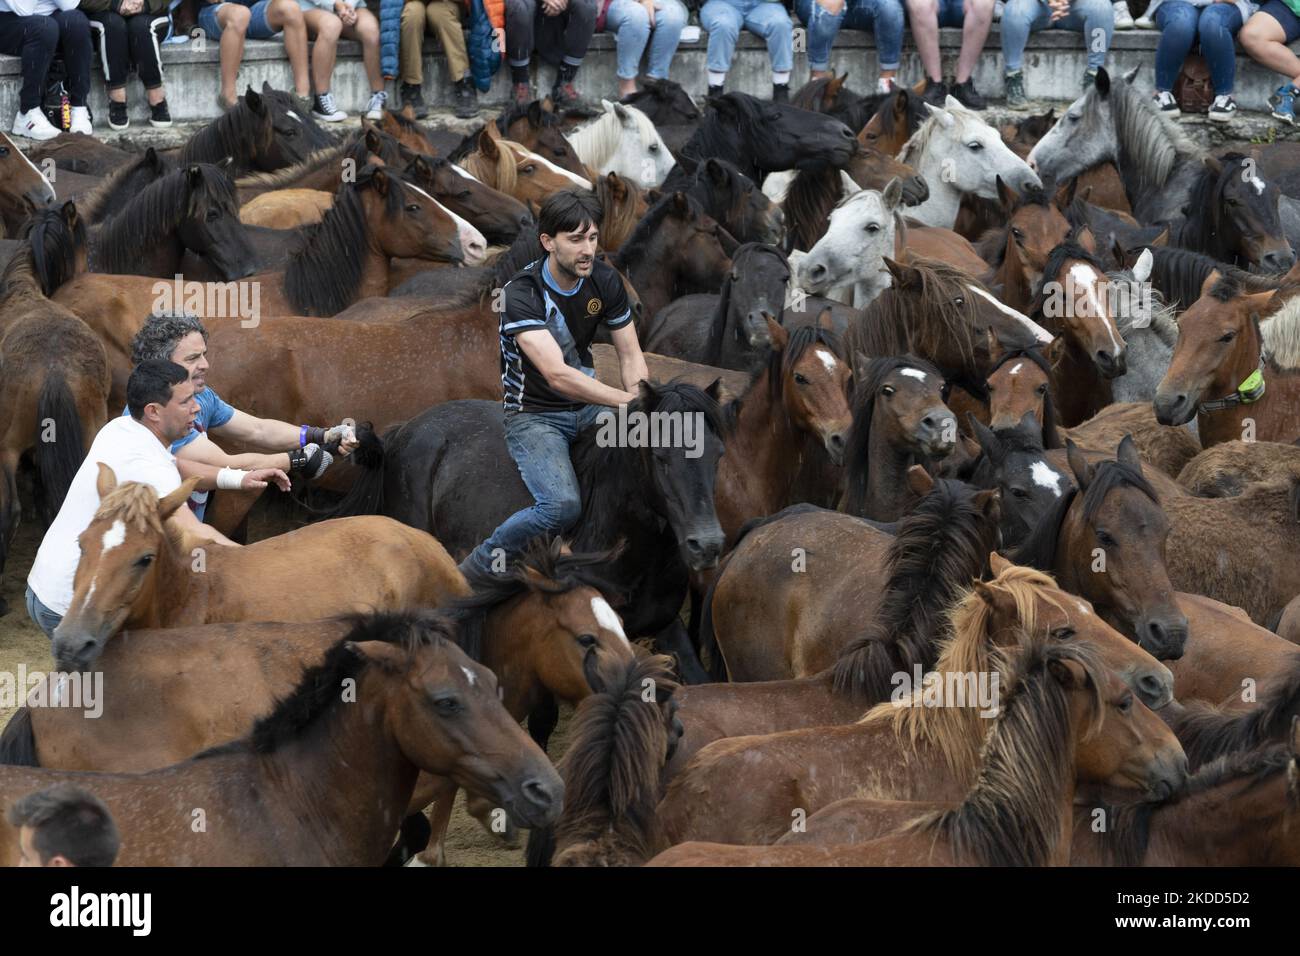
x,y
152,381
566,211
158,337
69,822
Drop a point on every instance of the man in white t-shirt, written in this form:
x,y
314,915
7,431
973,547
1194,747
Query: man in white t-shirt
x,y
160,398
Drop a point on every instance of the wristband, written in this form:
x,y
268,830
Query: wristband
x,y
230,479
313,433
302,436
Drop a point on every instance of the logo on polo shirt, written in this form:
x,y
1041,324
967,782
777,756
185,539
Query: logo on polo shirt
x,y
593,306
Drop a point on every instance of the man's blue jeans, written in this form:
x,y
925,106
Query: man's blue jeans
x,y
1095,19
43,617
882,17
1180,24
628,20
724,19
539,443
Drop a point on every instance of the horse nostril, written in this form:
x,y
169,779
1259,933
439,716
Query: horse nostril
x,y
837,441
1151,689
538,793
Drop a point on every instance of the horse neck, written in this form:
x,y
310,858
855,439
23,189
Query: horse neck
x,y
656,284
888,497
1206,829
168,594
1080,390
766,450
345,780
1226,425
944,202
508,643
1011,275
156,254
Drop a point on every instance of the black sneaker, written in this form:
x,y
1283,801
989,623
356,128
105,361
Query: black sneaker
x,y
935,91
117,118
414,98
967,95
780,92
159,115
465,99
715,91
1223,109
564,96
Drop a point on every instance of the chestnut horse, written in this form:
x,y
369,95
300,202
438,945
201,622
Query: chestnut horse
x,y
139,570
513,169
896,752
323,782
1067,721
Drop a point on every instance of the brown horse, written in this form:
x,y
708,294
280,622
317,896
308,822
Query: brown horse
x,y
622,204
537,127
320,781
139,570
23,188
1017,252
54,374
513,169
286,208
1237,381
1066,721
897,752
1210,731
1226,469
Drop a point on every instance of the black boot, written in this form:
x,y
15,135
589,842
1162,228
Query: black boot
x,y
465,99
780,92
412,97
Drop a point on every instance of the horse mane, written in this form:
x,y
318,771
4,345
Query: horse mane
x,y
965,647
91,203
1181,273
636,246
135,504
230,134
317,694
611,481
920,320
1200,229
1160,318
1153,143
617,749
919,142
156,211
324,272
51,250
1049,436
1039,549
542,568
284,178
1009,817
864,403
1207,731
618,220
1130,824
940,547
813,193
517,111
1281,334
715,138
599,140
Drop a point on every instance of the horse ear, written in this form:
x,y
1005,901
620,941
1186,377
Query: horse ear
x,y
373,142
487,143
379,181
680,206
105,481
998,564
989,502
254,101
825,319
1132,74
780,337
621,112
714,391
988,441
1213,164
1055,351
892,194
1065,195
919,480
713,169
70,216
407,112
267,87
1161,239
1007,196
388,657
1087,240
1078,464
1259,302
1210,281
903,274
193,176
861,362
1142,268
996,349
1103,83
153,159
944,118
1128,453
617,188
168,504
1068,673
534,113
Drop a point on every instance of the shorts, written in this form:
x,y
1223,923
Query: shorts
x,y
951,13
1285,16
307,6
258,28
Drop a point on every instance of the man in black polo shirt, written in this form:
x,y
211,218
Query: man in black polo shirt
x,y
553,307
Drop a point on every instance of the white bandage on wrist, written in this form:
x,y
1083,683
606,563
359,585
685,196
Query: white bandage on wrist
x,y
231,479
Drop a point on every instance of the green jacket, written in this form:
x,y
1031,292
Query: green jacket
x,y
158,7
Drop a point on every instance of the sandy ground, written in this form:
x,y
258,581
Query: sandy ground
x,y
21,641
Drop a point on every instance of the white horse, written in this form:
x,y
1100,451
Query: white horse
x,y
848,263
959,153
623,141
1149,329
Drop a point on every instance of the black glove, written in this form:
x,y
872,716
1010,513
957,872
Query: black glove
x,y
310,461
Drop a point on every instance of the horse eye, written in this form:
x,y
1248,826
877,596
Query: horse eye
x,y
1126,704
412,207
1062,633
144,561
529,169
561,152
1042,389
1105,539
1019,493
587,640
800,378
447,706
1228,336
959,301
872,228
1017,234
975,146
654,147
4,150
463,195
213,215
887,390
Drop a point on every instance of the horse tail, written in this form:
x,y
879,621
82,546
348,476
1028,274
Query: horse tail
x,y
18,742
57,459
612,771
366,496
541,847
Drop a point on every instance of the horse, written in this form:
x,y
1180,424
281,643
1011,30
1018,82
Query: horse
x,y
513,169
262,132
539,130
1066,723
122,185
733,199
138,570
1212,731
904,752
1225,470
728,330
669,107
54,372
1013,460
23,188
1149,328
622,204
1232,215
1017,252
1019,383
320,780
828,94
618,742
761,137
659,500
192,209
958,153
623,141
1231,371
847,262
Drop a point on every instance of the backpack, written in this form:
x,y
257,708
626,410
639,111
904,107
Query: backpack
x,y
1194,90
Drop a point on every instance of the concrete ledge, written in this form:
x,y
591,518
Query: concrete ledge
x,y
1054,65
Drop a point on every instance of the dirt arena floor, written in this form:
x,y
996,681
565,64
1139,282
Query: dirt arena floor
x,y
22,642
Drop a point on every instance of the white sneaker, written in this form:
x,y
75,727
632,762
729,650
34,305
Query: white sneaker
x,y
81,120
997,10
883,86
326,110
1144,22
375,108
34,125
1123,19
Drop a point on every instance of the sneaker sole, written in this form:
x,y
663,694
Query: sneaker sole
x,y
1290,120
112,125
328,119
160,124
1221,117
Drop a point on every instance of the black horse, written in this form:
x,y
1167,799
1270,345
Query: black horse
x,y
262,132
448,472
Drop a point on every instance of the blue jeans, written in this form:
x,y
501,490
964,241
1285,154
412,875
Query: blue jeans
x,y
539,443
723,20
1180,23
1095,19
883,17
631,23
258,28
43,617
